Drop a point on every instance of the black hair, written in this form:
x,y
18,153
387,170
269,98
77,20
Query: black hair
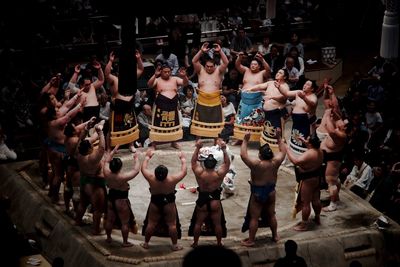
x,y
265,152
84,147
314,141
211,255
161,172
286,73
314,85
359,155
69,130
165,65
51,113
290,247
186,88
210,162
355,263
166,51
115,165
58,262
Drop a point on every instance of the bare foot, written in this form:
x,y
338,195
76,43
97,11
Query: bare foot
x,y
275,238
301,226
237,143
127,244
109,239
96,232
132,149
247,243
221,244
193,245
175,145
176,247
144,245
317,220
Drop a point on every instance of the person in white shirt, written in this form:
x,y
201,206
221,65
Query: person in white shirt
x,y
265,47
229,115
171,59
360,177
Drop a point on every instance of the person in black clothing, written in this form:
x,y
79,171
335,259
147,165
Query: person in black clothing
x,y
211,255
291,258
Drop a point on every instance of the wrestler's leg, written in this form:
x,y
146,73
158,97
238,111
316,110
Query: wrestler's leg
x,y
43,165
57,168
124,214
75,187
306,196
170,219
110,221
273,224
83,203
255,209
68,189
316,203
98,202
201,215
154,217
333,189
175,145
216,219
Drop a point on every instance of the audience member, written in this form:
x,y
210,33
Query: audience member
x,y
291,259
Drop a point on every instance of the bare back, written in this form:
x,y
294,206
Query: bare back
x,y
311,160
209,180
264,172
92,164
114,181
162,187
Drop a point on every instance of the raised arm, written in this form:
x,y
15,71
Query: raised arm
x,y
257,88
224,59
238,63
184,81
280,156
74,77
244,153
312,103
139,61
183,171
53,83
67,105
152,82
87,124
99,153
196,59
297,160
68,116
196,167
133,172
224,168
107,70
146,173
267,69
100,81
285,91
